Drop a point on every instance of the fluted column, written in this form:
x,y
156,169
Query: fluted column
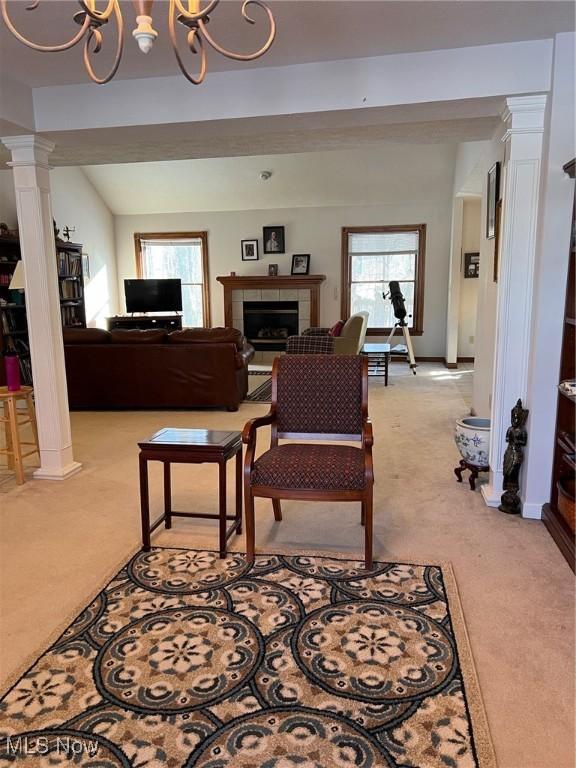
x,y
524,119
32,186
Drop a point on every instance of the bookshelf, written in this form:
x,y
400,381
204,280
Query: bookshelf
x,y
558,514
13,322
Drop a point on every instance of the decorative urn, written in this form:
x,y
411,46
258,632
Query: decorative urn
x,y
472,437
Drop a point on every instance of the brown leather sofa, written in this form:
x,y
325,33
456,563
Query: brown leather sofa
x,y
130,369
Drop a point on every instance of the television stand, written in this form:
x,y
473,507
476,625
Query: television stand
x,y
144,322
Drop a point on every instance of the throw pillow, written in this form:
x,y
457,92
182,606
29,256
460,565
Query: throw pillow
x,y
336,329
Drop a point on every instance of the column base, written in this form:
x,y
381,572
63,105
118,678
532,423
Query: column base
x,y
490,495
532,511
54,473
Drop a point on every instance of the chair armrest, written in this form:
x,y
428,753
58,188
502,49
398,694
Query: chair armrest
x,y
249,431
310,345
367,434
316,332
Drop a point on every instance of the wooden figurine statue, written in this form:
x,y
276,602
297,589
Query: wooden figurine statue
x,y
516,437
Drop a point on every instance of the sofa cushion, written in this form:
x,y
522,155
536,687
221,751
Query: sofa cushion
x,y
137,336
207,336
85,336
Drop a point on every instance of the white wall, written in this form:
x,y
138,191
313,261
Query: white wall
x,y
308,230
75,203
468,286
550,280
484,347
8,200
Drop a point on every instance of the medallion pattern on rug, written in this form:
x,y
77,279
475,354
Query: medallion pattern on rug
x,y
185,659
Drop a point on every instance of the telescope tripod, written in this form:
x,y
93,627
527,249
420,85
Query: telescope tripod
x,y
409,351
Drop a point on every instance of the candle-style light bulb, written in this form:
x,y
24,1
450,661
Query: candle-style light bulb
x,y
144,34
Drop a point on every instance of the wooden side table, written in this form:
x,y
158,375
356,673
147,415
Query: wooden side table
x,y
13,420
191,446
378,359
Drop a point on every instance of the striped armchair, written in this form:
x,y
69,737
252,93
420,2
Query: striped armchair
x,y
317,341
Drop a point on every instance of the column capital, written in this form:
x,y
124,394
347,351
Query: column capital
x,y
524,114
28,150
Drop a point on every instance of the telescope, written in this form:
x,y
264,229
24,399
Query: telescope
x,y
399,306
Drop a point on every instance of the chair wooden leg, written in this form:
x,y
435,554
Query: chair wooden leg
x,y
362,515
18,468
368,530
32,417
249,512
8,432
277,509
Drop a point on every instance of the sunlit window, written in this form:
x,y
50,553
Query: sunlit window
x,y
179,255
372,257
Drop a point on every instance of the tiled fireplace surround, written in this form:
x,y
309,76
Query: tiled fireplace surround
x,y
305,289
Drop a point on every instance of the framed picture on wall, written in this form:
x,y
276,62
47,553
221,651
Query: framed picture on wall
x,y
493,197
471,264
249,250
272,270
497,239
273,239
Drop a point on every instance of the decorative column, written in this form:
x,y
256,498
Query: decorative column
x,y
32,186
524,119
452,317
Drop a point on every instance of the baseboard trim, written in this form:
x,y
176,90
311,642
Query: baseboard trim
x,y
402,359
449,365
465,359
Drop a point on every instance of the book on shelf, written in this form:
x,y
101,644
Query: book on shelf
x,y
69,264
70,289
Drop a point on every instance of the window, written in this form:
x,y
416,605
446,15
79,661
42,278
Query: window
x,y
371,257
183,255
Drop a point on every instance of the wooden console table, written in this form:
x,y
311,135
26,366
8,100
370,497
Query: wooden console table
x,y
144,322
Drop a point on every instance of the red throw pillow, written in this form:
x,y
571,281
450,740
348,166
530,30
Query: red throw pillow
x,y
336,329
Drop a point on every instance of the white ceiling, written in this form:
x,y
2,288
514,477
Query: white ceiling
x,y
347,177
308,31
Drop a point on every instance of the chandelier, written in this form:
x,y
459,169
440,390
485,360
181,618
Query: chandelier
x,y
193,18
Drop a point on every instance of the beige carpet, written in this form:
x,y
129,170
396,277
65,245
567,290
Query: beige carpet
x,y
60,540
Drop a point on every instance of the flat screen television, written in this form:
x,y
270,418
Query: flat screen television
x,y
153,295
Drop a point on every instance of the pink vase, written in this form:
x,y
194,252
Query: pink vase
x,y
12,372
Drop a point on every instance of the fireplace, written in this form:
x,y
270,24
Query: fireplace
x,y
267,324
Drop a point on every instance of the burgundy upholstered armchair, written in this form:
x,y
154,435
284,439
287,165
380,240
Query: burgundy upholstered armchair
x,y
314,397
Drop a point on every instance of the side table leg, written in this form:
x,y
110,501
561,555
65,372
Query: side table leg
x,y
144,503
386,361
167,495
222,505
239,492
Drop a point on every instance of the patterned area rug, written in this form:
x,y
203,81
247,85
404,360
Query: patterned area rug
x,y
184,659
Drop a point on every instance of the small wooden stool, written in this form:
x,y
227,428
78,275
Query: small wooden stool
x,y
12,422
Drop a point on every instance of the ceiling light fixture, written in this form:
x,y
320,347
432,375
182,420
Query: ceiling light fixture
x,y
194,18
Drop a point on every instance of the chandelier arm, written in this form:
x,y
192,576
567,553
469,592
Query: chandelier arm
x,y
243,56
95,33
195,16
36,46
197,40
98,15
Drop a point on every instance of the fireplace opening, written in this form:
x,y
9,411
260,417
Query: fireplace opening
x,y
267,324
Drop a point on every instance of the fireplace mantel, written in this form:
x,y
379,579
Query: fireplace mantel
x,y
310,283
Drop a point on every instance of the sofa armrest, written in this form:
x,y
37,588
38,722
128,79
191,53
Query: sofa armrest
x,y
244,355
310,345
